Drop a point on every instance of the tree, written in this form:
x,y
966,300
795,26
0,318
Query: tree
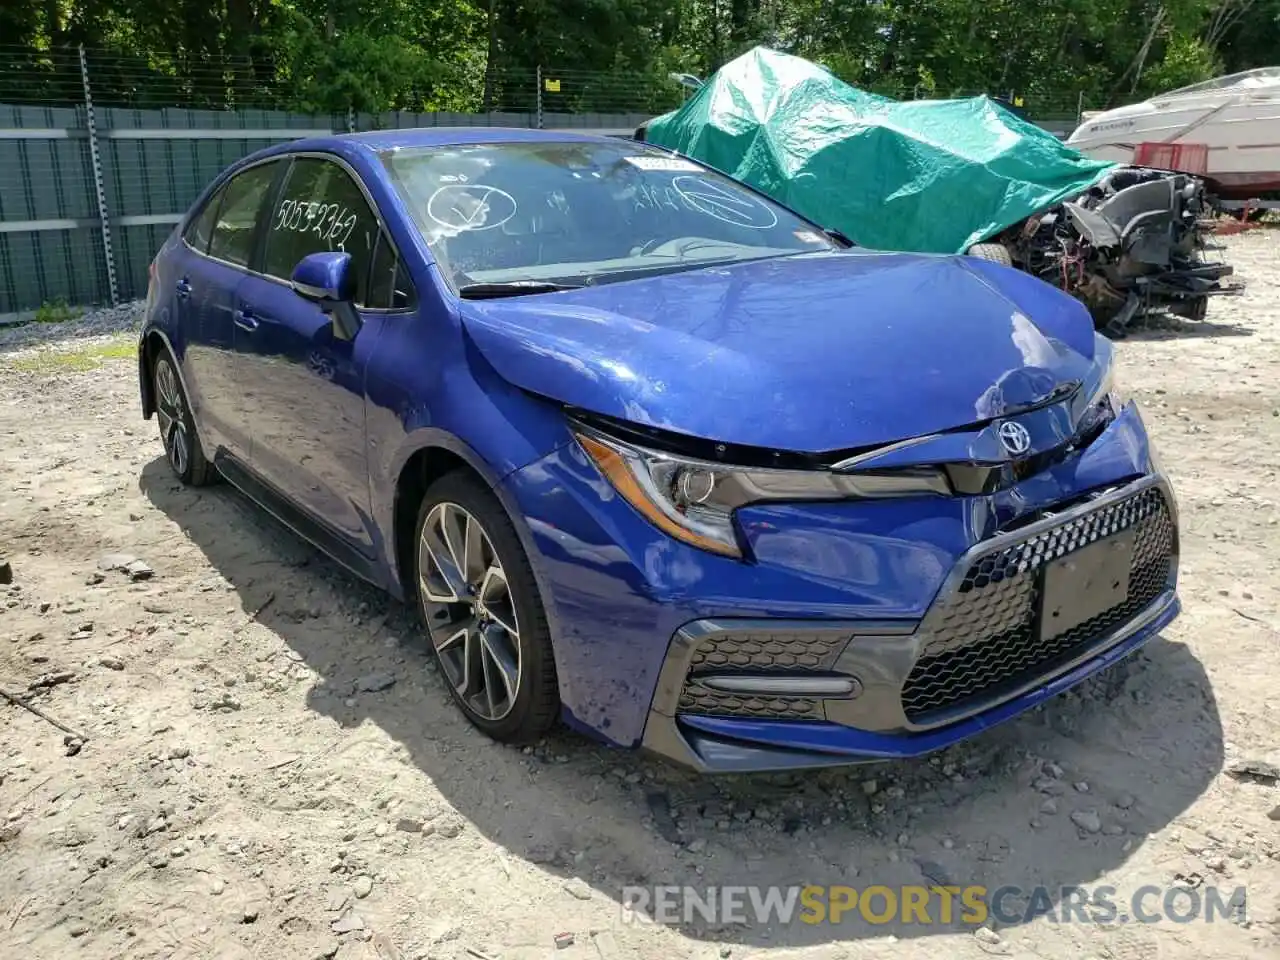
x,y
331,55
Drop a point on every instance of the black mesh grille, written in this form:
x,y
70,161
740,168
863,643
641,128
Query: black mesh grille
x,y
696,698
775,654
983,638
766,653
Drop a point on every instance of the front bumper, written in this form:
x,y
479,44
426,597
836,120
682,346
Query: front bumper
x,y
861,631
987,649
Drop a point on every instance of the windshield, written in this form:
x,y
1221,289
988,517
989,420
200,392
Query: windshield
x,y
583,212
1261,77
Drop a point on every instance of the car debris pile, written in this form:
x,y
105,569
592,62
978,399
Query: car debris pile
x,y
954,176
1133,243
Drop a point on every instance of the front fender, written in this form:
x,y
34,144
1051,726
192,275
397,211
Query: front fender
x,y
448,398
434,438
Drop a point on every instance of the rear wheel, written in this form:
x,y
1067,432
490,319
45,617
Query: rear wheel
x,y
995,252
481,606
177,428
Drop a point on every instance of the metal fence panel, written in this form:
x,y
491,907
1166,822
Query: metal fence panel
x,y
49,267
134,247
50,249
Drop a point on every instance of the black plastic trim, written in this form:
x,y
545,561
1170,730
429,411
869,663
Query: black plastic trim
x,y
303,524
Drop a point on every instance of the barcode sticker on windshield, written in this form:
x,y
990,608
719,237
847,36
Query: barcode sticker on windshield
x,y
663,163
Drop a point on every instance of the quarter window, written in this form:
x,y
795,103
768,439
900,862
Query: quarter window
x,y
237,219
201,228
388,282
320,209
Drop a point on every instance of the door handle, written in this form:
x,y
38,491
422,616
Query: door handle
x,y
245,320
184,288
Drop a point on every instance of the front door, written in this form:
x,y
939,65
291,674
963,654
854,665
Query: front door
x,y
303,386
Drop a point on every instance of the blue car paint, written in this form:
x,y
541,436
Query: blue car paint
x,y
441,393
843,350
303,390
794,336
621,588
203,319
327,277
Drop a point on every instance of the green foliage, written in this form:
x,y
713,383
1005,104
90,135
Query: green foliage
x,y
1186,60
328,56
55,311
365,72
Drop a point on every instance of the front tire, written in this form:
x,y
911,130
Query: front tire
x,y
482,610
177,427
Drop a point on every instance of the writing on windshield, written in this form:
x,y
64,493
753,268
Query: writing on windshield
x,y
568,211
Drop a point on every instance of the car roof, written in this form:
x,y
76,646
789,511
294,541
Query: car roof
x,y
349,145
381,140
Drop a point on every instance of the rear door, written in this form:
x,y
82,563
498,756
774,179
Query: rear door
x,y
220,245
304,387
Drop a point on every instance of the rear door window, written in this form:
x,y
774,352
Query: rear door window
x,y
236,223
320,209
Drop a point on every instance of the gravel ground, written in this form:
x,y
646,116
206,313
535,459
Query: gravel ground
x,y
109,321
272,768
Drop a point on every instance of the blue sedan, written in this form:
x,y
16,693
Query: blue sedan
x,y
653,454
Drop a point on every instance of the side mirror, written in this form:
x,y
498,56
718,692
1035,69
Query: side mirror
x,y
328,280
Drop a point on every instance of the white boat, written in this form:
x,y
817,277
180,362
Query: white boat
x,y
1237,117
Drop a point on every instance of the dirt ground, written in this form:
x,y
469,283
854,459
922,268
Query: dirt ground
x,y
273,769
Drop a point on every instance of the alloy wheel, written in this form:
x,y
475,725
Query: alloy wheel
x,y
470,611
172,416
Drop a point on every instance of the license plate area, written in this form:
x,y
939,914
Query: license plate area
x,y
1085,584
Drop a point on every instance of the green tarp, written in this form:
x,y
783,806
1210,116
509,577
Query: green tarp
x,y
931,176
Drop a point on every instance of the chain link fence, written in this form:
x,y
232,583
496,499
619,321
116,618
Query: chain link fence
x,y
101,153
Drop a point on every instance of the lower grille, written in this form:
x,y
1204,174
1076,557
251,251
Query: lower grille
x,y
984,637
697,699
766,653
772,654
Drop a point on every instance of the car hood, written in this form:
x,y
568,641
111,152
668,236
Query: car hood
x,y
810,353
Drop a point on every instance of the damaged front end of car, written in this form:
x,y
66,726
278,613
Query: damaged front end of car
x,y
1132,244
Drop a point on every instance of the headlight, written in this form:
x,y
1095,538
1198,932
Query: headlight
x,y
1110,392
1104,405
1108,389
1115,395
694,500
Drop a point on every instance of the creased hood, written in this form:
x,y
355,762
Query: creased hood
x,y
811,353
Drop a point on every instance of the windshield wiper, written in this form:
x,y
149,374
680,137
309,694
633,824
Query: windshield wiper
x,y
838,237
512,288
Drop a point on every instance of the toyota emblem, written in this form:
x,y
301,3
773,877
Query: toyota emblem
x,y
1014,438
